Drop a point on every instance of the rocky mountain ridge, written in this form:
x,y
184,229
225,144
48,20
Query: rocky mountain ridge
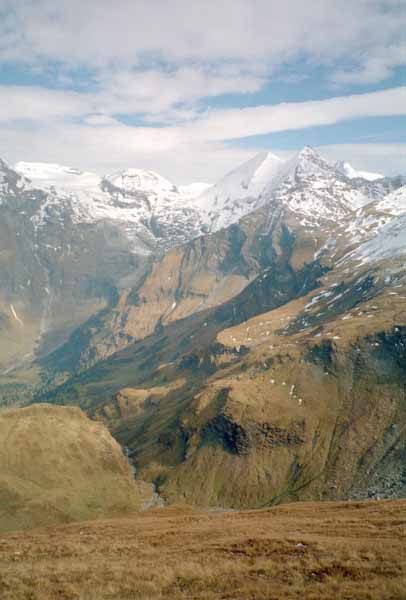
x,y
271,349
69,241
90,241
332,213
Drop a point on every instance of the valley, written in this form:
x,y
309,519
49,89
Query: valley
x,y
202,300
259,362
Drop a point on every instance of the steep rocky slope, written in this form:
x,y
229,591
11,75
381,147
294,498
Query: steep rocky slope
x,y
78,249
305,199
289,387
352,173
261,362
57,466
69,240
285,405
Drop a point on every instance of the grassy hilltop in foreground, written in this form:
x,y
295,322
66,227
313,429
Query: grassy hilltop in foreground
x,y
309,551
57,466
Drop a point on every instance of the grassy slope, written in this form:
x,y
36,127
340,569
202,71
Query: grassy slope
x,y
280,393
217,426
352,408
318,551
57,466
348,395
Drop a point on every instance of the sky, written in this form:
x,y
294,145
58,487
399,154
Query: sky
x,y
192,88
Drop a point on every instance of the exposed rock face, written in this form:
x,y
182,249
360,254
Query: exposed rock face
x,y
239,440
314,423
69,241
291,389
262,362
77,249
203,274
305,204
57,466
53,275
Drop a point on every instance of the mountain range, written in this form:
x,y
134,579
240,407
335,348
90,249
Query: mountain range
x,y
245,340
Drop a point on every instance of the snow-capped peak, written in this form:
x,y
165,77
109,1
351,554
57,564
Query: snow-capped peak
x,y
313,189
346,169
247,180
46,175
266,171
192,190
307,162
146,204
308,152
129,181
4,168
304,165
239,192
10,180
139,180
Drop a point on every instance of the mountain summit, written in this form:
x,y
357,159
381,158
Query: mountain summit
x,y
80,238
346,169
238,192
246,344
139,180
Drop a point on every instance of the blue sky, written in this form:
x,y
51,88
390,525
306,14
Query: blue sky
x,y
191,88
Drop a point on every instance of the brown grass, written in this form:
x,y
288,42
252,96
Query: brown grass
x,y
58,466
309,551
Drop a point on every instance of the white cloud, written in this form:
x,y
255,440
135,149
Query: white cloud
x,y
38,104
108,149
156,92
157,62
101,120
198,149
269,32
157,96
244,122
374,67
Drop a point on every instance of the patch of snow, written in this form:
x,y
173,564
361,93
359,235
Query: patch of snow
x,y
390,242
53,175
346,169
192,190
17,318
395,202
139,180
239,192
